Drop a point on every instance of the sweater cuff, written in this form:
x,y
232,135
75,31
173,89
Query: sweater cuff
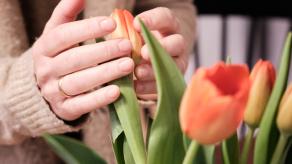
x,y
24,101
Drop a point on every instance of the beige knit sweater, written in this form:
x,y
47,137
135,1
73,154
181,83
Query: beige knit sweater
x,y
24,114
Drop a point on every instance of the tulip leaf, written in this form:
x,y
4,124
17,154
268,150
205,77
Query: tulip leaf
x,y
118,146
268,133
230,150
127,109
117,135
72,151
166,138
116,126
97,40
127,112
127,153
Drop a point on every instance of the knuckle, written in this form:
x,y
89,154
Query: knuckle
x,y
48,92
43,73
72,60
59,34
38,48
107,48
93,22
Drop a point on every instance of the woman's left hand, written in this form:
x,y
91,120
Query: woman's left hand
x,y
165,26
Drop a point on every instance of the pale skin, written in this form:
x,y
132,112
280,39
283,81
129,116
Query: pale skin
x,y
57,56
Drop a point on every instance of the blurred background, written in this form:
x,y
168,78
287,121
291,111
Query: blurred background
x,y
246,30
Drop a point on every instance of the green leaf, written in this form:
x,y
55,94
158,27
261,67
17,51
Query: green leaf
x,y
205,155
118,146
97,40
72,151
268,134
127,109
127,154
118,136
230,150
166,138
116,126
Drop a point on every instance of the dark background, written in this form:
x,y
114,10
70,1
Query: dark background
x,y
245,7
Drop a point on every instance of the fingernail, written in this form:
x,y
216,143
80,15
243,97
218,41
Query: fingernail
x,y
145,53
112,91
142,71
107,24
126,65
125,45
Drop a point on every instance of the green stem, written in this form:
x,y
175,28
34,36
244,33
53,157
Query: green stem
x,y
281,145
230,150
191,153
246,146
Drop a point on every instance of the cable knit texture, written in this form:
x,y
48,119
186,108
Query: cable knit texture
x,y
24,101
24,114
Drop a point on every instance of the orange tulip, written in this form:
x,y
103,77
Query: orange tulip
x,y
262,78
213,104
284,118
125,29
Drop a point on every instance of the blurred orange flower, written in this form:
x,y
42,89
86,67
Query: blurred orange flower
x,y
213,104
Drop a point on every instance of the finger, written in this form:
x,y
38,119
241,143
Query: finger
x,y
66,11
144,72
75,107
85,80
174,44
160,18
181,63
145,87
69,34
148,97
86,56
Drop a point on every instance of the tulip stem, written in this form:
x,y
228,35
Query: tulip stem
x,y
246,146
281,145
192,152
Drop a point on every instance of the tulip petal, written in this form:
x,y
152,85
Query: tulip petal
x,y
234,77
134,37
211,125
262,78
264,67
121,28
211,102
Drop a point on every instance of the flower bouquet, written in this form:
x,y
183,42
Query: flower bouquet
x,y
192,122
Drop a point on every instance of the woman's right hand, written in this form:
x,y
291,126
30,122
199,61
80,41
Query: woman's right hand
x,y
67,74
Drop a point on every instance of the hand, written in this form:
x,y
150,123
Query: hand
x,y
164,25
62,68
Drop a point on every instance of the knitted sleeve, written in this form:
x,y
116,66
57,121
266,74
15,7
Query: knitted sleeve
x,y
23,111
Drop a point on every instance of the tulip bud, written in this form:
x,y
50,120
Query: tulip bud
x,y
125,29
284,118
213,104
262,81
